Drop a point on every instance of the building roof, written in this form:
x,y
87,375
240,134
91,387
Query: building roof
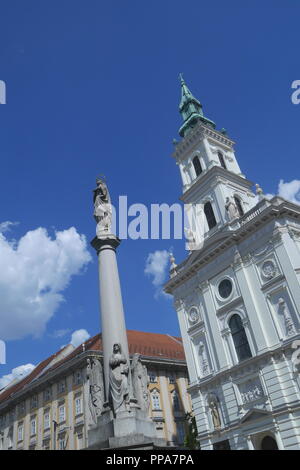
x,y
149,345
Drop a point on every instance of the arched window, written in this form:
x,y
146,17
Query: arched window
x,y
222,161
269,443
197,165
239,205
239,338
210,216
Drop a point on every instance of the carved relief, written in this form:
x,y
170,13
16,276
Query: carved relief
x,y
251,390
283,309
140,383
96,387
268,269
203,362
193,315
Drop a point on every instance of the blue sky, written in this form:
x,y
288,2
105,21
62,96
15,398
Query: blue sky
x,y
92,87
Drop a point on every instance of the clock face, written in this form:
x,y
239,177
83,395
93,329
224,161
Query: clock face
x,y
193,315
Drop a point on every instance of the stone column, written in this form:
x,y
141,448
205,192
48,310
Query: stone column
x,y
111,305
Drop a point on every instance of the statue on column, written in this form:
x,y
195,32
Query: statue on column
x,y
140,383
231,209
118,380
96,387
102,208
213,406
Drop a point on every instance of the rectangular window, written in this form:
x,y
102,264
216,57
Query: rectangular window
x,y
156,402
47,394
152,377
21,409
11,416
20,432
78,377
61,413
34,402
33,426
172,379
61,387
78,406
47,420
46,445
180,432
61,443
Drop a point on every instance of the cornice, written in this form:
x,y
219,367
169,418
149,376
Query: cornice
x,y
196,135
219,175
259,216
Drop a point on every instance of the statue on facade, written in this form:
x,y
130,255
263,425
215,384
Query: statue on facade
x,y
203,360
102,208
140,382
213,406
96,387
118,380
288,321
231,209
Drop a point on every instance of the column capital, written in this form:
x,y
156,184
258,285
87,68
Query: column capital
x,y
108,241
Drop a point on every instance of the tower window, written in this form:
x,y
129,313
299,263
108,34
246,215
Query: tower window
x,y
239,338
197,166
210,216
239,206
222,161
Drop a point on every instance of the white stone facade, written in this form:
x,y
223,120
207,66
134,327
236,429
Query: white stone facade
x,y
238,305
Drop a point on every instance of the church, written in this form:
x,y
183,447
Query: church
x,y
237,295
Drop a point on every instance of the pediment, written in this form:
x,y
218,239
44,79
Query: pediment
x,y
209,245
254,414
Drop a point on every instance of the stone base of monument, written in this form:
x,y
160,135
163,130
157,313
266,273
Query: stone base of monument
x,y
129,429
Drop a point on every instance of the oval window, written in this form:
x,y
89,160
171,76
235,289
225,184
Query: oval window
x,y
225,288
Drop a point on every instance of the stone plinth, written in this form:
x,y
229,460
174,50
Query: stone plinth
x,y
127,429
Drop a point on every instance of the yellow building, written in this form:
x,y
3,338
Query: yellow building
x,y
52,407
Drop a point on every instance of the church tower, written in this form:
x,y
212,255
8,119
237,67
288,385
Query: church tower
x,y
237,295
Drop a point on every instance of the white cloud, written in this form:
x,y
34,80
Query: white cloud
x,y
33,274
156,267
6,226
79,337
289,191
17,373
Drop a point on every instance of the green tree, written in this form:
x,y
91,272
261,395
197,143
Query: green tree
x,y
190,440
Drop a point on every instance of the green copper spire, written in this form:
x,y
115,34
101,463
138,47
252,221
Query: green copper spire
x,y
190,109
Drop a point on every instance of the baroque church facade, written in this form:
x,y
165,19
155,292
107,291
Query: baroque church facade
x,y
237,296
